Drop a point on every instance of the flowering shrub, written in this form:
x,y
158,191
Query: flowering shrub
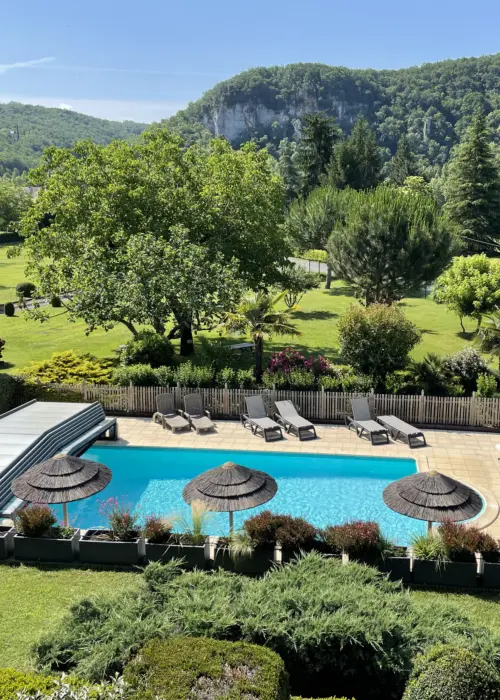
x,y
157,530
286,360
318,365
267,528
359,539
35,521
122,521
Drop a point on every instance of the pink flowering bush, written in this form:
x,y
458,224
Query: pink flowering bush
x,y
122,520
319,366
285,361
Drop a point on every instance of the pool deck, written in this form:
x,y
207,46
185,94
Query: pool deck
x,y
470,457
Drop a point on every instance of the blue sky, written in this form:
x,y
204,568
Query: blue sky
x,y
145,60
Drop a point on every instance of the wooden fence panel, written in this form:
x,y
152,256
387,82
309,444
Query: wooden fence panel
x,y
315,405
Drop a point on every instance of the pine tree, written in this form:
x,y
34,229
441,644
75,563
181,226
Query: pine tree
x,y
356,162
403,164
473,188
319,134
287,151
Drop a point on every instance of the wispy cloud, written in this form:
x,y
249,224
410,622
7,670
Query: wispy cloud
x,y
5,67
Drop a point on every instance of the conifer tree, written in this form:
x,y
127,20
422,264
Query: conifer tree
x,y
403,164
319,134
356,162
287,152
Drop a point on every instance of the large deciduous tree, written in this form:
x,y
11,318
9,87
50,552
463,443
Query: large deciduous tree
x,y
390,243
311,221
318,135
356,162
14,202
473,188
152,234
470,287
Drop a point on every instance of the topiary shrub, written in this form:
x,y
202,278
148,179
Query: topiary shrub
x,y
56,302
266,529
9,309
25,289
199,669
452,673
70,368
148,348
13,682
138,375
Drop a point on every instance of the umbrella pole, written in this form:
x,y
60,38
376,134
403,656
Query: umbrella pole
x,y
231,522
65,514
429,527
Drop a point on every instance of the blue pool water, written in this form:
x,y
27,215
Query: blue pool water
x,y
324,489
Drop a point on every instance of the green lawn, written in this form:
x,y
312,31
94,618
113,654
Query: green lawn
x,y
34,600
316,318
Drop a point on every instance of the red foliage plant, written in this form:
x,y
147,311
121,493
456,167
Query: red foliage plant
x,y
267,528
463,541
357,538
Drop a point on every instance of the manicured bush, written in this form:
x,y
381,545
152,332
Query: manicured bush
x,y
486,386
376,340
56,302
452,673
35,520
148,348
157,529
25,289
360,539
70,368
199,669
194,375
137,375
301,379
467,365
9,309
266,529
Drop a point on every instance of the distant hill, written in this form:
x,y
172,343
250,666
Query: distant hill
x,y
25,130
433,103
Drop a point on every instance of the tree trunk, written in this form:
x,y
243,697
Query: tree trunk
x,y
462,323
159,326
187,345
131,327
259,353
328,282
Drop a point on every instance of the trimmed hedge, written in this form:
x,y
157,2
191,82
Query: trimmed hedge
x,y
13,682
199,668
452,673
12,392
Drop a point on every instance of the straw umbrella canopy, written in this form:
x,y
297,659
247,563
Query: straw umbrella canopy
x,y
61,479
433,497
229,488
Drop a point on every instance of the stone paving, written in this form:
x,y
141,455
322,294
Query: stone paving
x,y
468,456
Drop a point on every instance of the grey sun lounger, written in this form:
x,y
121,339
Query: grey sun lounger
x,y
257,420
168,415
292,421
399,429
196,414
362,421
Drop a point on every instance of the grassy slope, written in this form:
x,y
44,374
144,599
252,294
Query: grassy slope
x,y
34,600
317,319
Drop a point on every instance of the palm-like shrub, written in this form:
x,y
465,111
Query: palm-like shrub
x,y
434,376
488,336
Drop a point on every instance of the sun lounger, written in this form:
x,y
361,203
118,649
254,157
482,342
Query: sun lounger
x,y
363,423
291,420
399,429
196,414
256,419
167,415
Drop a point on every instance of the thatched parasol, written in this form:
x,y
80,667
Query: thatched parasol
x,y
61,479
231,487
433,497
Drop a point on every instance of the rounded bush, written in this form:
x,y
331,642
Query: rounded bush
x,y
9,309
198,668
56,302
35,520
148,348
452,673
266,529
138,375
25,289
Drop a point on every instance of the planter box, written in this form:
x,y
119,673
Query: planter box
x,y
109,552
46,548
193,555
491,575
454,573
6,541
398,568
260,561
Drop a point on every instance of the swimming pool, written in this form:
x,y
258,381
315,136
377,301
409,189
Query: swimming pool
x,y
324,489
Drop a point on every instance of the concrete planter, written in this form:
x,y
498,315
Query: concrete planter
x,y
398,568
6,541
491,575
454,573
260,561
93,551
194,555
46,548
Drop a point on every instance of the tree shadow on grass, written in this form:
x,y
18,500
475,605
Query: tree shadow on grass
x,y
6,365
314,315
468,335
426,331
344,291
